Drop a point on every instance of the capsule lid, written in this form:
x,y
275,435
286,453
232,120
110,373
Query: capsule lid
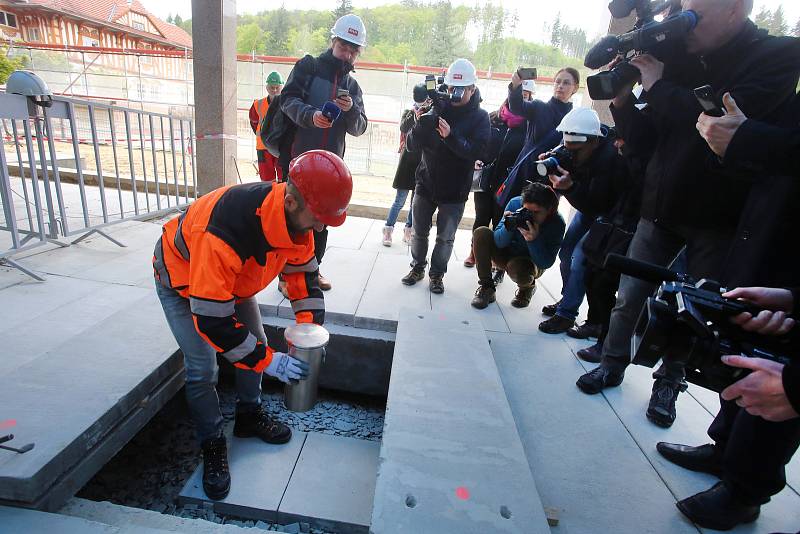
x,y
307,336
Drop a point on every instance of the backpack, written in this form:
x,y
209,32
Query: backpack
x,y
277,129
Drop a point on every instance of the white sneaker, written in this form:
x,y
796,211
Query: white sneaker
x,y
407,235
387,236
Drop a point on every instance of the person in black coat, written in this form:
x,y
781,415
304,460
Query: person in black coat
x,y
403,180
449,146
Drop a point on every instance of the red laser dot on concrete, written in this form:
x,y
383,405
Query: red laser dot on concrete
x,y
462,493
8,423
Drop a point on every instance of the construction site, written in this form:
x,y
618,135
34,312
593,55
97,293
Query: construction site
x,y
431,416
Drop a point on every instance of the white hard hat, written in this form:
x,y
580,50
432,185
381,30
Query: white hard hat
x,y
529,85
350,28
460,73
580,124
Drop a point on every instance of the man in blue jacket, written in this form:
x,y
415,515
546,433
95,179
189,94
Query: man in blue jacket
x,y
449,145
524,248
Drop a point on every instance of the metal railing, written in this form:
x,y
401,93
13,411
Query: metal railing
x,y
55,178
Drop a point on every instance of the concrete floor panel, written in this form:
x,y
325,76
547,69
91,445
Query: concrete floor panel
x,y
451,459
260,473
373,241
352,234
333,484
13,520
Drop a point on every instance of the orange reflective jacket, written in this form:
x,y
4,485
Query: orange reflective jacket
x,y
230,244
261,106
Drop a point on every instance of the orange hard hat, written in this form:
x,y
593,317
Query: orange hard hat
x,y
325,182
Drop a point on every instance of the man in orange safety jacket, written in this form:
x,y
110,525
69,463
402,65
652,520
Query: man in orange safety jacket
x,y
268,167
209,264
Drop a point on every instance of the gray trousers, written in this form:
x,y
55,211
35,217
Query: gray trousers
x,y
201,362
705,253
446,225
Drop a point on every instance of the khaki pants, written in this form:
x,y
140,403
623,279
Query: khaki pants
x,y
520,269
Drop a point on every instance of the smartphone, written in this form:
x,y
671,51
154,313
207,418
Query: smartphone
x,y
527,73
342,92
709,103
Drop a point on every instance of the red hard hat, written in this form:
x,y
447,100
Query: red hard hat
x,y
325,183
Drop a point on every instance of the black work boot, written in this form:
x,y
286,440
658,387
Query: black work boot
x,y
484,295
550,309
593,354
703,458
661,410
585,331
523,296
718,508
598,379
216,476
436,284
257,424
416,274
556,325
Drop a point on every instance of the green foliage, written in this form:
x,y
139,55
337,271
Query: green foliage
x,y
170,19
10,64
250,38
420,33
344,7
775,22
177,21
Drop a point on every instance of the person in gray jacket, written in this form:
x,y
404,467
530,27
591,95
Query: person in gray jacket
x,y
314,82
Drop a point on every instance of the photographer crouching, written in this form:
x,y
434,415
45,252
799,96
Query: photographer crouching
x,y
524,244
452,134
688,199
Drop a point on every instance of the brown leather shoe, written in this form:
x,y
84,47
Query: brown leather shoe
x,y
470,261
324,283
523,296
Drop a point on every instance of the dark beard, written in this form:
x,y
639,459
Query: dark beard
x,y
292,227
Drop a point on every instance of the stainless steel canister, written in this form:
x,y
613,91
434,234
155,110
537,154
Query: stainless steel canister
x,y
306,342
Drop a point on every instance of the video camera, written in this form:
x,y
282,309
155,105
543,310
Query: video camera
x,y
646,37
559,156
435,89
689,320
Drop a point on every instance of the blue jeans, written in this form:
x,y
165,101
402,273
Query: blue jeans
x,y
394,211
574,291
446,225
577,228
201,362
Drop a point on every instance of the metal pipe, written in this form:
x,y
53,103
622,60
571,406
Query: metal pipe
x,y
130,160
99,165
116,163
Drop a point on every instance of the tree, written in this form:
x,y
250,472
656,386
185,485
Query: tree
x,y
278,32
250,38
177,21
796,31
778,24
170,19
556,32
10,64
344,7
764,18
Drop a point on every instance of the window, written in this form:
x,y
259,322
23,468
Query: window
x,y
8,19
89,41
34,35
137,25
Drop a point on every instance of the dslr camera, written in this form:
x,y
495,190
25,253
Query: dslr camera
x,y
647,37
519,219
558,157
689,320
434,88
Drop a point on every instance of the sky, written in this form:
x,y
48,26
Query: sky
x,y
591,15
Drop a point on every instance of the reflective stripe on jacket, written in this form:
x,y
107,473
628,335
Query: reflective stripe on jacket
x,y
230,244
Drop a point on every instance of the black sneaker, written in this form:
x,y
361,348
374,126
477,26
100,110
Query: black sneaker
x,y
498,276
550,309
436,284
593,354
415,275
257,424
484,295
598,379
216,475
585,331
661,410
556,325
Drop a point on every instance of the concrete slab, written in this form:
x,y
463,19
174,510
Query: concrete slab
x,y
259,475
373,241
351,234
585,463
333,484
451,459
348,271
22,520
41,332
69,399
385,295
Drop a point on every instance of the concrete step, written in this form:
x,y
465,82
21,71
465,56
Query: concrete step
x,y
83,399
14,520
132,520
451,458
